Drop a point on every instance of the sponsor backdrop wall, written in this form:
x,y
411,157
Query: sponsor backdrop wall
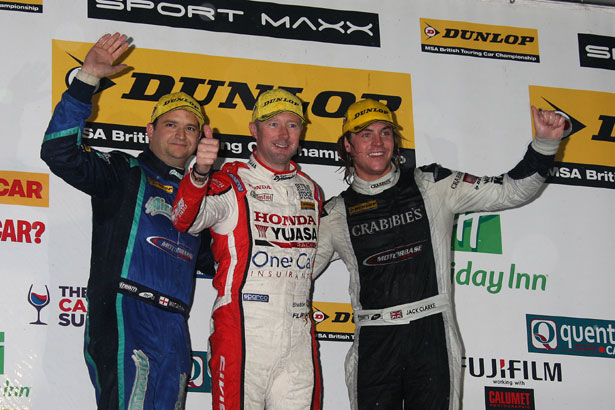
x,y
533,285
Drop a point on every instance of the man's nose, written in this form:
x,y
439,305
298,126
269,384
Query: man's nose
x,y
182,132
285,132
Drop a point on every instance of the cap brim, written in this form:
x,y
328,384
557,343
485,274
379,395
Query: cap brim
x,y
359,128
200,118
273,114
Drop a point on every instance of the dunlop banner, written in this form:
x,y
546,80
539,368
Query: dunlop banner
x,y
479,40
587,156
333,321
227,89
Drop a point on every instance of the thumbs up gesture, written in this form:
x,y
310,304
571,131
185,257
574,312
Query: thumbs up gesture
x,y
207,151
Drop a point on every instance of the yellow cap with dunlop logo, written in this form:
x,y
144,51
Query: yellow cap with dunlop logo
x,y
362,113
273,102
178,101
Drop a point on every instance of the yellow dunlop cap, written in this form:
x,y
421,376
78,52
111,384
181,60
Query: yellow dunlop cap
x,y
362,113
273,102
178,101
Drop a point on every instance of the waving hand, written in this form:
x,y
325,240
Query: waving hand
x,y
99,61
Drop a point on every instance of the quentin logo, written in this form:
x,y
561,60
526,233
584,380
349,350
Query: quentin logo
x,y
597,51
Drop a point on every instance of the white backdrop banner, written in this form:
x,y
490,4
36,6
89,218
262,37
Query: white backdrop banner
x,y
532,284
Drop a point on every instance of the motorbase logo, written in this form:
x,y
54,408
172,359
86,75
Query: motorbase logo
x,y
570,336
512,372
586,157
247,18
499,398
333,321
228,94
596,51
479,40
477,232
28,6
200,381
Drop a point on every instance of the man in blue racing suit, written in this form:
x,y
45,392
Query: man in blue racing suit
x,y
142,269
392,228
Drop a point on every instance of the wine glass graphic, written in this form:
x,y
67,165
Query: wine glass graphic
x,y
39,302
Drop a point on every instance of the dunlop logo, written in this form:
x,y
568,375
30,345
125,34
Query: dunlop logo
x,y
227,93
333,321
363,207
479,40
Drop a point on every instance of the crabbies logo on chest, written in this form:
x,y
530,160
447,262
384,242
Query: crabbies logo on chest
x,y
383,224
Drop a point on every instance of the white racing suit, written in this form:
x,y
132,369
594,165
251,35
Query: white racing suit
x,y
394,235
264,226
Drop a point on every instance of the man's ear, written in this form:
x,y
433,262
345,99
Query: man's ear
x,y
253,129
149,130
347,144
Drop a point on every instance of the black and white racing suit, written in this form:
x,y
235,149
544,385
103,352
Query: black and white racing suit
x,y
394,235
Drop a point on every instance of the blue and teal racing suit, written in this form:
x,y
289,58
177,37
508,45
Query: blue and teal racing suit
x,y
142,269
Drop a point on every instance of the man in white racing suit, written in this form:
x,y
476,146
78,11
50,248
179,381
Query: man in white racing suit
x,y
392,228
263,217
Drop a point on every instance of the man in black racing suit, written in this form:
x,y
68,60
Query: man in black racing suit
x,y
392,228
142,269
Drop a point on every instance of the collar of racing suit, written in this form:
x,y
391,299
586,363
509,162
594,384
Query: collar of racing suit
x,y
159,167
269,174
377,186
